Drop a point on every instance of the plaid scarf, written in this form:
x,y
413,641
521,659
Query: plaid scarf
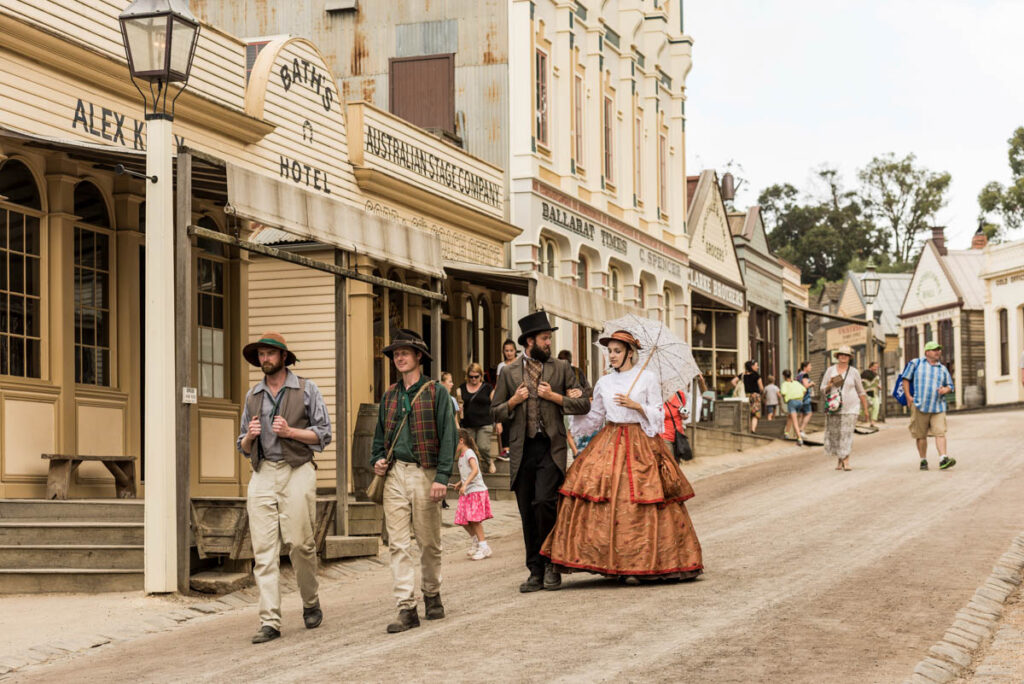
x,y
532,370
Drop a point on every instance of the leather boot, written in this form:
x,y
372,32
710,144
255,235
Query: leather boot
x,y
407,619
534,583
552,578
433,610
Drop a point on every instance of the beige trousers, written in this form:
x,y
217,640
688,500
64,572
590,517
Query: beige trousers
x,y
282,508
407,510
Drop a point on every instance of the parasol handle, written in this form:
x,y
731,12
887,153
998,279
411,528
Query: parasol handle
x,y
642,369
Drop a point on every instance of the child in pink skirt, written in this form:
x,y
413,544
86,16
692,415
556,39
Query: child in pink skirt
x,y
474,502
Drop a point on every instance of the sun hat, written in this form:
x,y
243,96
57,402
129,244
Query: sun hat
x,y
623,336
845,349
407,338
268,339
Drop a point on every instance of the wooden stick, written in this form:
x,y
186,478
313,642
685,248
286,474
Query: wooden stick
x,y
642,369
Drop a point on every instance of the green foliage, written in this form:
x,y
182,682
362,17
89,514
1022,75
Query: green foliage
x,y
1007,201
902,198
820,233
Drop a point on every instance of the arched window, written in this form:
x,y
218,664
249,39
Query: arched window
x,y
21,307
211,287
668,312
583,273
470,350
94,262
614,284
483,327
642,295
1004,342
548,257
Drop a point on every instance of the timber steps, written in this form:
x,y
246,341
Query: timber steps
x,y
71,546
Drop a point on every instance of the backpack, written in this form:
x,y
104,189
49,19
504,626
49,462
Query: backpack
x,y
897,390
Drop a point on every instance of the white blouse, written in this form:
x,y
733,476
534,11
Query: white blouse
x,y
604,409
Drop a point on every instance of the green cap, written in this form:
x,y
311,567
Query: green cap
x,y
929,346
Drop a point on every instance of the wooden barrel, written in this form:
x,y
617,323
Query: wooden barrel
x,y
362,440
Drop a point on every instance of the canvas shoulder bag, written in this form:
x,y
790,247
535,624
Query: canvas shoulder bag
x,y
375,490
834,395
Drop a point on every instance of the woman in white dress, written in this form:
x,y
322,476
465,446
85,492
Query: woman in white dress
x,y
839,424
621,512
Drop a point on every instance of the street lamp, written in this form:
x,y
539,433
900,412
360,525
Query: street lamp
x,y
160,39
869,285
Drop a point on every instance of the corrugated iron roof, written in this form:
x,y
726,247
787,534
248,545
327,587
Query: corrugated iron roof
x,y
965,266
276,236
691,190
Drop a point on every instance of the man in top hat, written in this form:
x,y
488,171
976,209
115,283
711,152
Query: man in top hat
x,y
416,429
284,420
534,393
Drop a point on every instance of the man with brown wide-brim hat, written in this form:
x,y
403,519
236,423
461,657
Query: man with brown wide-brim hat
x,y
284,420
414,449
534,393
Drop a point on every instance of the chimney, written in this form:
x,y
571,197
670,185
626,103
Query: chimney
x,y
728,187
980,240
939,238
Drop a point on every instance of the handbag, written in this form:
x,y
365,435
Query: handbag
x,y
375,490
834,395
680,444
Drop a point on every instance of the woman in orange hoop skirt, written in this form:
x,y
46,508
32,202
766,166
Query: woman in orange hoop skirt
x,y
621,511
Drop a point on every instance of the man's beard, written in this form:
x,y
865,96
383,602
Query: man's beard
x,y
538,354
271,368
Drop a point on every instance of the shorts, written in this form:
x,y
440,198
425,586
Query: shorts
x,y
798,406
771,409
924,425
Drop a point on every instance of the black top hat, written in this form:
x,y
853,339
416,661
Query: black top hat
x,y
534,323
407,338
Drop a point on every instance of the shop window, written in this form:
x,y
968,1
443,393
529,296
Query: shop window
x,y
945,330
910,346
608,114
715,347
615,284
92,307
668,309
470,349
422,91
548,257
483,327
541,98
1004,342
20,276
927,333
641,293
583,273
211,267
577,102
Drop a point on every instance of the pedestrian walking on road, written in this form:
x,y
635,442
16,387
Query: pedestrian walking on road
x,y
793,394
284,420
474,397
581,377
533,395
844,399
621,512
771,399
509,354
474,500
926,382
753,386
415,427
806,411
873,386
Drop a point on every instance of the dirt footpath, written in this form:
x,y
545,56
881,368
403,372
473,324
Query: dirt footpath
x,y
812,575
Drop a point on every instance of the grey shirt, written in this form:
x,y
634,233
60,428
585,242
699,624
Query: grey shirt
x,y
316,411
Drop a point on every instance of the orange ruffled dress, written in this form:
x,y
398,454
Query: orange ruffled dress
x,y
621,511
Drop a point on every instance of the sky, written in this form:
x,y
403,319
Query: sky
x,y
782,87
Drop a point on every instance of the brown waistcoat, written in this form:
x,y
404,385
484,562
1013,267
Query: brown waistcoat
x,y
293,410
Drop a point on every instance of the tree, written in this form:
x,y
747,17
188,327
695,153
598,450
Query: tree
x,y
1007,201
902,198
820,233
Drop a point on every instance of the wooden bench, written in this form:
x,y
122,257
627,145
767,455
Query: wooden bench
x,y
62,467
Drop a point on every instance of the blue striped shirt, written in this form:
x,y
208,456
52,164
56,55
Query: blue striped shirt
x,y
927,379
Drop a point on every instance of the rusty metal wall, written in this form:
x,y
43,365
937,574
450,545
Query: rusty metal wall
x,y
357,47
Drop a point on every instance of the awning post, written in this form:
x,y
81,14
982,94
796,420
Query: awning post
x,y
341,436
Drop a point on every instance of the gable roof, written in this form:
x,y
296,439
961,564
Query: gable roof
x,y
960,271
711,240
892,288
965,266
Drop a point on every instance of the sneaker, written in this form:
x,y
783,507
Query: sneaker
x,y
503,456
803,436
482,552
946,463
471,551
924,464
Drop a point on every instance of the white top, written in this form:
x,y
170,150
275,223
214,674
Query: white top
x,y
853,390
503,364
603,408
477,483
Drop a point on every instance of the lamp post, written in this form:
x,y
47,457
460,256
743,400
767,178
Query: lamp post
x,y
869,284
160,39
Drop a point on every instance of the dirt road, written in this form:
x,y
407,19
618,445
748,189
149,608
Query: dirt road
x,y
812,575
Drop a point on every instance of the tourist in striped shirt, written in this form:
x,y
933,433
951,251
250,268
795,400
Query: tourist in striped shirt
x,y
926,398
